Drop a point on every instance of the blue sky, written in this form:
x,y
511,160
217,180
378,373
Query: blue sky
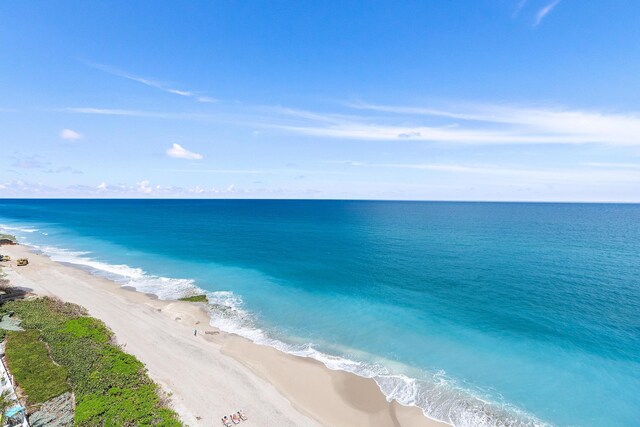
x,y
436,100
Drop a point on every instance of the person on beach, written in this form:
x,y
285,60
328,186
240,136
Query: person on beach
x,y
195,332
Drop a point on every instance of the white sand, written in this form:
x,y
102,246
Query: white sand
x,y
214,373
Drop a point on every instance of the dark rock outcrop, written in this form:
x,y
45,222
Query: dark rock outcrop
x,y
56,412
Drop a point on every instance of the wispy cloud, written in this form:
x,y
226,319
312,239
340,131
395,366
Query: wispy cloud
x,y
219,171
461,124
545,11
205,99
578,175
151,83
136,113
179,152
612,165
29,162
266,171
502,124
64,169
70,135
114,112
37,163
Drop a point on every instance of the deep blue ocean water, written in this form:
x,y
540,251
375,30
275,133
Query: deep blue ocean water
x,y
480,313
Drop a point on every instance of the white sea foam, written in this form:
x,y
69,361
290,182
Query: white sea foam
x,y
164,287
436,394
10,229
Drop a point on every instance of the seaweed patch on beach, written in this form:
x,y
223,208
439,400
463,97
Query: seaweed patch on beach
x,y
195,298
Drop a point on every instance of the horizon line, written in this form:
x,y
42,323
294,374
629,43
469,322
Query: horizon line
x,y
331,200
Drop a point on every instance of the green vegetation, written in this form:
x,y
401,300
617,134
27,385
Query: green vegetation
x,y
5,403
33,369
195,298
8,238
111,387
87,327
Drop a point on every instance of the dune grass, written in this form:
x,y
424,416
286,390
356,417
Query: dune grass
x,y
34,371
111,387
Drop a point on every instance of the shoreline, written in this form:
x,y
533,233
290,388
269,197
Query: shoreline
x,y
225,372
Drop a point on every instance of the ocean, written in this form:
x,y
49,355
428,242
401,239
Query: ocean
x,y
496,314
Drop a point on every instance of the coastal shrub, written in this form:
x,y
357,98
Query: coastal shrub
x,y
123,406
33,369
111,387
87,327
44,313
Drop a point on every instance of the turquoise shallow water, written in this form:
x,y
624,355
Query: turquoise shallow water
x,y
480,313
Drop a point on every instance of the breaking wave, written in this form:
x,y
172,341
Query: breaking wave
x,y
439,396
164,287
10,229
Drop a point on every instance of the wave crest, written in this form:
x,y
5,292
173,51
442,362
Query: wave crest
x,y
438,396
164,287
4,227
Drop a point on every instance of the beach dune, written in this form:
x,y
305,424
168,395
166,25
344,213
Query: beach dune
x,y
213,373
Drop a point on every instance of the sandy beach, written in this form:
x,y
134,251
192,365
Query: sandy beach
x,y
214,373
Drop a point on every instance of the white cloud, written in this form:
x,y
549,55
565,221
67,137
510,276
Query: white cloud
x,y
70,135
143,187
22,188
211,191
545,11
179,152
197,190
